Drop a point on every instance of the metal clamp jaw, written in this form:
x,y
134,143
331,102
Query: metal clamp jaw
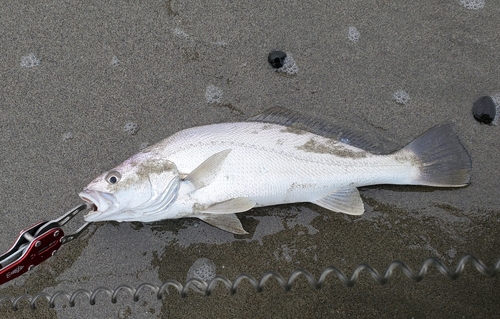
x,y
36,244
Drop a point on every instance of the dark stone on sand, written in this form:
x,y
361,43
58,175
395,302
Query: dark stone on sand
x,y
484,110
276,59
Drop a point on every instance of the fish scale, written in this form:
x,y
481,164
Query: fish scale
x,y
214,171
282,164
268,172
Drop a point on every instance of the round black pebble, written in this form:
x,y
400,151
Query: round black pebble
x,y
276,59
484,110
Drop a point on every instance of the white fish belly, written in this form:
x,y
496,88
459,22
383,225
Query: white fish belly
x,y
272,164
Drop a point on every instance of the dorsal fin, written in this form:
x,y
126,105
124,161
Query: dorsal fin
x,y
286,117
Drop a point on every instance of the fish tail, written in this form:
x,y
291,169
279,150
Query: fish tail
x,y
443,160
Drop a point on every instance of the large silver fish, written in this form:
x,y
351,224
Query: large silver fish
x,y
212,172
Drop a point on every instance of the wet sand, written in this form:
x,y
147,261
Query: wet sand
x,y
101,66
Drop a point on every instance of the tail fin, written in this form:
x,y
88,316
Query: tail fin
x,y
444,162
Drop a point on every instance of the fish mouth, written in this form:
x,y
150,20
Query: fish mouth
x,y
104,205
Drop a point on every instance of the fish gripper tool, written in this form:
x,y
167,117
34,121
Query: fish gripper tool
x,y
37,243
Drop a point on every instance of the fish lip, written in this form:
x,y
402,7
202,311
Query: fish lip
x,y
105,204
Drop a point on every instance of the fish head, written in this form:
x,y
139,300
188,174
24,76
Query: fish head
x,y
135,190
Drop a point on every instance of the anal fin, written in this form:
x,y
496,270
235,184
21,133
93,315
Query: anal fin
x,y
345,201
227,222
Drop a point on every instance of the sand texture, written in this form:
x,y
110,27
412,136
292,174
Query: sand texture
x,y
85,84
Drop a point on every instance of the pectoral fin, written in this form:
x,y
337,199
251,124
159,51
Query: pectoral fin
x,y
206,172
228,222
345,201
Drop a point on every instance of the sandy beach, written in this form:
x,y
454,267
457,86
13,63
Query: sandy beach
x,y
85,85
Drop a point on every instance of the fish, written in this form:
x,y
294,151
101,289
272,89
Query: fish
x,y
215,171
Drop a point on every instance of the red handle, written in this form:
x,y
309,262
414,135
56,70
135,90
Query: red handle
x,y
40,249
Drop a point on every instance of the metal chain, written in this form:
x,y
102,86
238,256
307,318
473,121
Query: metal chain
x,y
258,285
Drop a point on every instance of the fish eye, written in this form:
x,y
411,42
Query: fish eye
x,y
113,177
